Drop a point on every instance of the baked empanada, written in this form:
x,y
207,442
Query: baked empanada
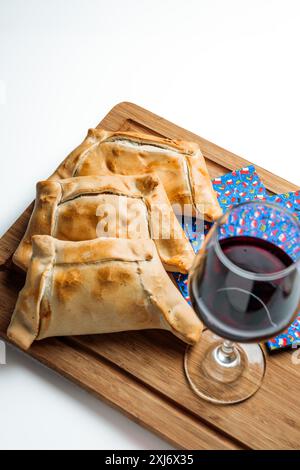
x,y
98,286
179,164
85,208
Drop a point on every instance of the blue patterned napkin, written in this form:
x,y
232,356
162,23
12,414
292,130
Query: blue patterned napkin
x,y
233,188
289,200
291,336
239,186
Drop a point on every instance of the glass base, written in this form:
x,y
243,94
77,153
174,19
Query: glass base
x,y
221,376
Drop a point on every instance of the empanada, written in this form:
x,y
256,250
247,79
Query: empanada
x,y
98,286
85,208
179,164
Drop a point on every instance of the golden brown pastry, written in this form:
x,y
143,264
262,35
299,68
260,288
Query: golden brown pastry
x,y
98,286
85,208
179,164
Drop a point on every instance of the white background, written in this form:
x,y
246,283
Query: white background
x,y
227,70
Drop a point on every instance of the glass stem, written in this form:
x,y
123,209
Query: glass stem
x,y
227,354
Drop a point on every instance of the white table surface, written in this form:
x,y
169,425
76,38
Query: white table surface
x,y
228,71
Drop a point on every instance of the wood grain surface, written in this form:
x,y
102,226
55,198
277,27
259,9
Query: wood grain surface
x,y
141,373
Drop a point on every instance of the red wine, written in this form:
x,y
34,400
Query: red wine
x,y
236,305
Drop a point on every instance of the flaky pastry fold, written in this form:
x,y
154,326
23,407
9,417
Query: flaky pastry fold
x,y
84,208
179,164
98,286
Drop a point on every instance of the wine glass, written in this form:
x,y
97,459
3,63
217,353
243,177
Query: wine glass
x,y
245,287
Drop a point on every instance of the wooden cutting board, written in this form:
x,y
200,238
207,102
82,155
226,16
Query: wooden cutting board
x,y
141,373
